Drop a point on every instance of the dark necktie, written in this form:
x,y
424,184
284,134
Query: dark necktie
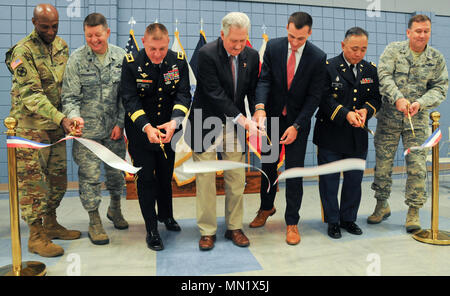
x,y
352,67
157,69
233,72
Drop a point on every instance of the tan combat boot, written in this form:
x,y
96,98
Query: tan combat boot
x,y
412,220
115,214
96,233
382,212
56,231
40,244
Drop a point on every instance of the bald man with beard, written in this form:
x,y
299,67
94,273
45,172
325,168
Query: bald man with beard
x,y
37,64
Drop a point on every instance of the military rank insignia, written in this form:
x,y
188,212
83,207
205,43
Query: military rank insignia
x,y
129,57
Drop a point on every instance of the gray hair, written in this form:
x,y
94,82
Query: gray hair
x,y
235,19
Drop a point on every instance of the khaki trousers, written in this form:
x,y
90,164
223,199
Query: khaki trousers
x,y
206,192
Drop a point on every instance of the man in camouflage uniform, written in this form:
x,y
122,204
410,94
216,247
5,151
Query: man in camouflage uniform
x,y
413,79
37,63
90,96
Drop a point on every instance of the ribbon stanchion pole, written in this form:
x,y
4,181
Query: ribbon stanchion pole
x,y
434,236
17,268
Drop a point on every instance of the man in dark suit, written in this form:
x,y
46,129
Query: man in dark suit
x,y
155,90
289,87
350,98
227,72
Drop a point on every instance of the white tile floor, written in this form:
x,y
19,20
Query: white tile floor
x,y
385,248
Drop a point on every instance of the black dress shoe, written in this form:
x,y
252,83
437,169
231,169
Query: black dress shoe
x,y
334,231
351,227
154,241
171,224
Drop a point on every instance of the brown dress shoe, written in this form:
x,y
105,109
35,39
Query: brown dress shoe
x,y
238,237
261,217
292,235
207,242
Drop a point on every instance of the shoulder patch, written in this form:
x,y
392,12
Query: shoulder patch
x,y
21,71
129,57
373,64
16,64
180,55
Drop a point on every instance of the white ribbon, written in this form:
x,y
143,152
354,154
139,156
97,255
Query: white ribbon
x,y
99,150
209,166
107,156
343,165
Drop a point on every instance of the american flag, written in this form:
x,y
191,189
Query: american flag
x,y
132,46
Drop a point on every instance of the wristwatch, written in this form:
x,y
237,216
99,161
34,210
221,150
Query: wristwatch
x,y
295,124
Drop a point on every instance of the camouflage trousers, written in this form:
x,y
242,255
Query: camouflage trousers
x,y
387,137
89,173
41,173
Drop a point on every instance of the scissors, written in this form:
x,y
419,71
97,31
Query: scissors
x,y
161,144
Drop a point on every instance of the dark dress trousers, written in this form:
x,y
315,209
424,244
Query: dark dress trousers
x,y
337,139
301,101
153,94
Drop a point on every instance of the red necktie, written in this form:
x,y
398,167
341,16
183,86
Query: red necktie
x,y
291,69
290,74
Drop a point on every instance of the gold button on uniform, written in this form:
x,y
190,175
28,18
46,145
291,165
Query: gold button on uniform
x,y
159,105
368,89
354,99
160,89
355,90
159,113
160,99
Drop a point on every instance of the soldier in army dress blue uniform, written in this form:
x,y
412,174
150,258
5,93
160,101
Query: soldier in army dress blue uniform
x,y
156,94
351,97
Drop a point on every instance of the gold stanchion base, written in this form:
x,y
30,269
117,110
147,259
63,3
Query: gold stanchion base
x,y
29,268
426,236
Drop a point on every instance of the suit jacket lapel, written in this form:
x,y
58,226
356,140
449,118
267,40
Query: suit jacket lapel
x,y
359,71
223,55
283,61
298,73
345,71
242,71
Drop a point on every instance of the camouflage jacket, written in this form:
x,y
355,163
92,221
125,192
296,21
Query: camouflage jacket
x,y
91,90
424,80
36,85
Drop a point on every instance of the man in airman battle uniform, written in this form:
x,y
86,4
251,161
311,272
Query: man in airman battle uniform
x,y
413,79
90,95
